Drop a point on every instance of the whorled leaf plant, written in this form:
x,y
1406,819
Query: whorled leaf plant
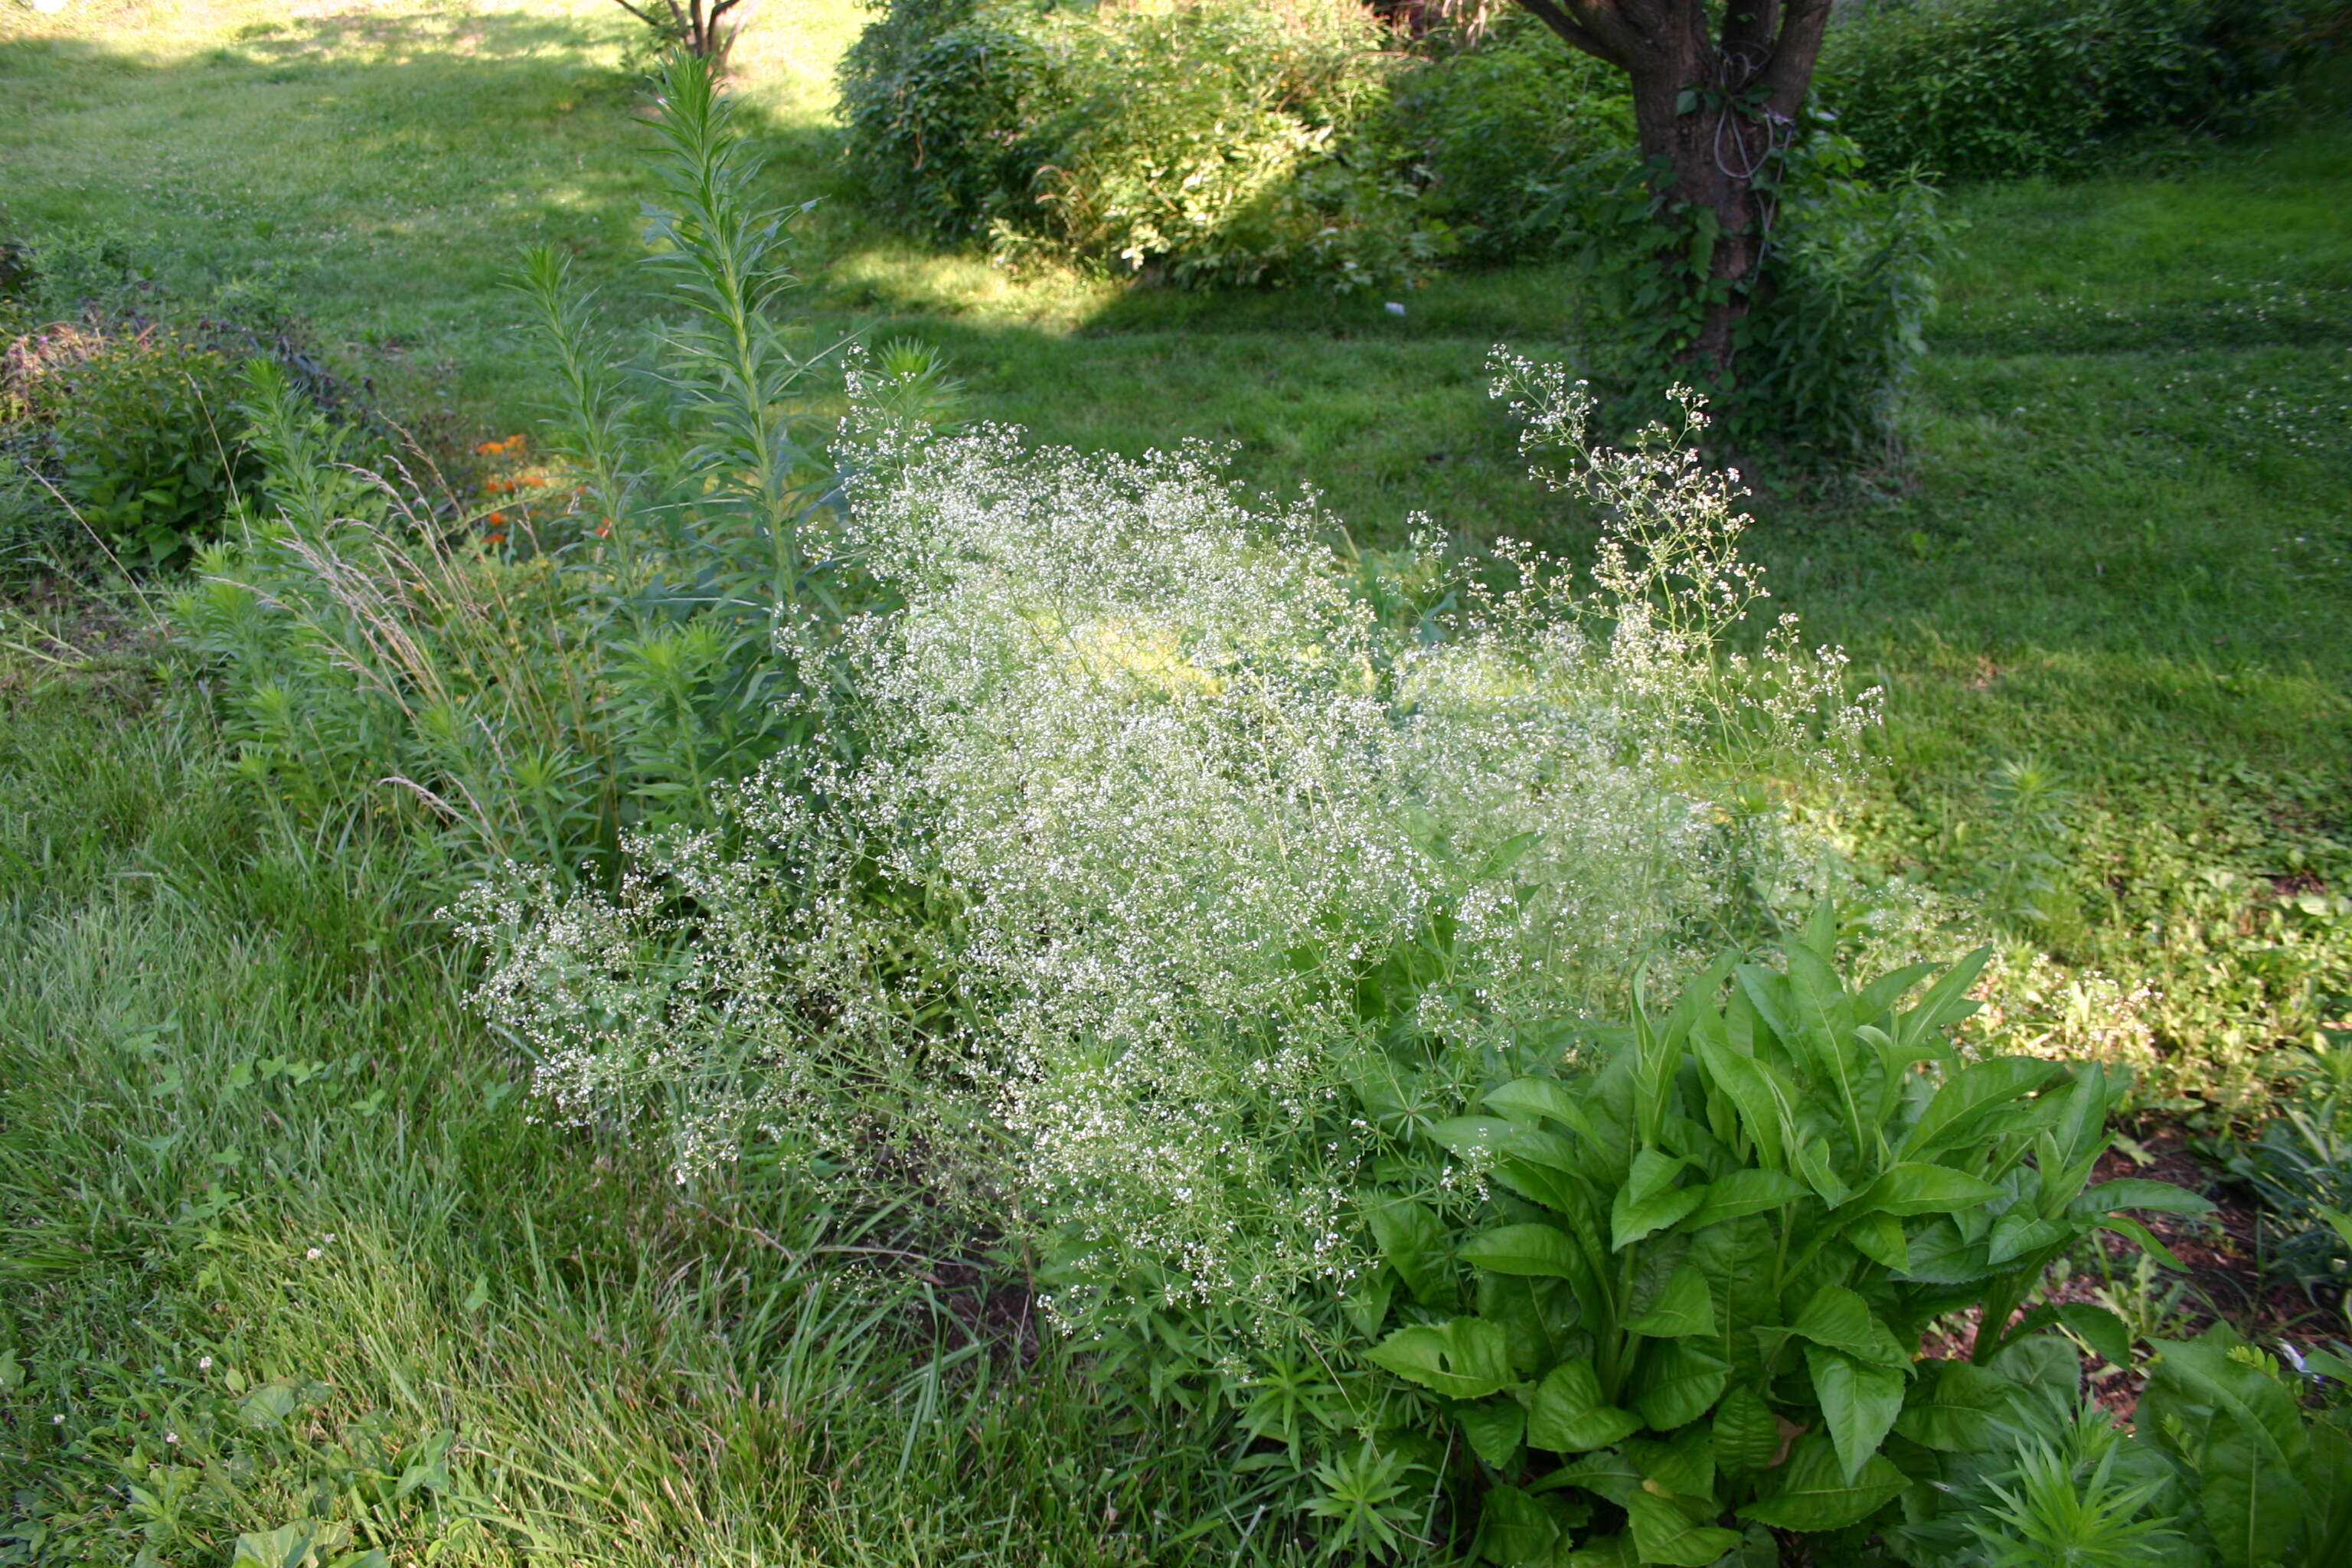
x,y
1708,1266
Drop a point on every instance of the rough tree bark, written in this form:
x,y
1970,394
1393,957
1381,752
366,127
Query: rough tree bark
x,y
1710,93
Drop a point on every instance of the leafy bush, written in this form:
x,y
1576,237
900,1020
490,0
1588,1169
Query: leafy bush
x,y
538,679
1213,143
1504,130
1839,299
1732,1236
148,442
932,92
1981,89
118,402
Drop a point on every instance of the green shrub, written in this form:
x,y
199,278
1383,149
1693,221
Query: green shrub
x,y
933,93
1211,143
1981,89
149,446
1731,1236
1500,129
118,402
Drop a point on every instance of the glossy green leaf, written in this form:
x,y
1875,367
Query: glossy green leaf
x,y
2021,1231
1493,1428
1684,1308
1674,1382
2253,1506
1815,1494
1913,1188
1466,1358
1747,1191
1647,1203
1881,995
1541,1184
1836,1319
2098,1327
1529,1098
1947,1001
1607,1475
1567,1416
1683,1464
1766,1106
1412,1241
1879,1238
1663,1534
1859,1404
1516,1531
1968,1095
1542,1251
1811,1159
2139,1192
1607,1552
1746,1435
1954,1407
1940,1255
2124,1224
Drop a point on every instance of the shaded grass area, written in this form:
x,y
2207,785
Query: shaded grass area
x,y
282,1249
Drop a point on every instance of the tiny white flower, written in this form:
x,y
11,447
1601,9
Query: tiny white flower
x,y
173,1438
315,1254
203,1364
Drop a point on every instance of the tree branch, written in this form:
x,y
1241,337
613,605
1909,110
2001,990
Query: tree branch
x,y
1791,70
1577,34
646,16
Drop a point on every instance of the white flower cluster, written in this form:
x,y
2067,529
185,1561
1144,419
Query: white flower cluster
x,y
1165,833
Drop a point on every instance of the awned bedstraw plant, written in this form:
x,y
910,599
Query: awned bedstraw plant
x,y
1180,866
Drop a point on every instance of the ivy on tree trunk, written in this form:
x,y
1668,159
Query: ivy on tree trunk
x,y
1718,86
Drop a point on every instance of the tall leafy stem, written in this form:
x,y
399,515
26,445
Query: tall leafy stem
x,y
729,256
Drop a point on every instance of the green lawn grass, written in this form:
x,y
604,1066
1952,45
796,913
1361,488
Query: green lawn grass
x,y
2117,564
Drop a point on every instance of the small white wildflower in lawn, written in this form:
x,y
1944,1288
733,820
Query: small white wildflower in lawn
x,y
1167,824
173,1438
203,1364
315,1254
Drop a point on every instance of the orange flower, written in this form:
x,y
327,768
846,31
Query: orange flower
x,y
495,519
605,528
486,448
495,537
493,487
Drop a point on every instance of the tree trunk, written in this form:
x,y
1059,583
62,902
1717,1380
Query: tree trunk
x,y
1710,111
